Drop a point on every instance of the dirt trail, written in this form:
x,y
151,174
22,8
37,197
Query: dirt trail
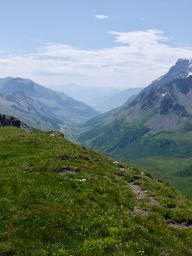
x,y
141,195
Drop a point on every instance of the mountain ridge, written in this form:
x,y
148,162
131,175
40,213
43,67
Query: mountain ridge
x,y
41,107
103,99
162,107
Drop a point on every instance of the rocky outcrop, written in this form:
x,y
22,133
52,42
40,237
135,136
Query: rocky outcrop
x,y
6,120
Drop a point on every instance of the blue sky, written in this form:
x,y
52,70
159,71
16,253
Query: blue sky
x,y
117,43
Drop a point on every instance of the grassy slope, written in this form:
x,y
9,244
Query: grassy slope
x,y
163,153
89,213
126,142
167,169
177,156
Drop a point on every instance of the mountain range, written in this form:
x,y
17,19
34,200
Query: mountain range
x,y
103,99
157,122
117,99
59,198
41,107
152,130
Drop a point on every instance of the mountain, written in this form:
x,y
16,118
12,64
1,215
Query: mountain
x,y
158,122
58,198
91,95
102,99
117,99
41,107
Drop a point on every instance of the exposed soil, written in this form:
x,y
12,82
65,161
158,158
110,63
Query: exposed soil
x,y
69,170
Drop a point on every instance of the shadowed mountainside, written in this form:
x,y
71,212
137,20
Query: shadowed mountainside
x,y
41,107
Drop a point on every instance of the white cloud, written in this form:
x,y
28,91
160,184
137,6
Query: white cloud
x,y
137,58
150,36
101,17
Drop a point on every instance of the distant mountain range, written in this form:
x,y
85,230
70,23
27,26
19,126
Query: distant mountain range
x,y
118,99
102,99
41,107
157,122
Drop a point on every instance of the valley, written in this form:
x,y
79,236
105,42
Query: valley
x,y
155,125
95,128
40,107
103,99
147,131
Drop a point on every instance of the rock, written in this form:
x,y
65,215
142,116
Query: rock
x,y
6,120
115,162
56,134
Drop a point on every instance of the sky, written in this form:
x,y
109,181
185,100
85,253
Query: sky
x,y
104,43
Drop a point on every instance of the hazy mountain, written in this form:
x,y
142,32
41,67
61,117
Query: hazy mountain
x,y
117,99
91,95
41,107
101,98
148,125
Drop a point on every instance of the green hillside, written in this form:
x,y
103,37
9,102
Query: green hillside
x,y
176,170
58,198
126,142
163,154
156,124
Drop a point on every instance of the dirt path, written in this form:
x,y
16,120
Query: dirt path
x,y
141,195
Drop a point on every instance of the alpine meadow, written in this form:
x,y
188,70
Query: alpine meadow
x,y
95,128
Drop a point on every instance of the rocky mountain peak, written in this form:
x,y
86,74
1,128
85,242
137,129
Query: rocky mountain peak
x,y
166,89
181,69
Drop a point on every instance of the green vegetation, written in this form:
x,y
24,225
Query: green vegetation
x,y
154,131
164,154
174,170
125,142
58,198
187,172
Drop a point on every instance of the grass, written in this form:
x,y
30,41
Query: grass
x,y
167,168
86,212
124,142
164,154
